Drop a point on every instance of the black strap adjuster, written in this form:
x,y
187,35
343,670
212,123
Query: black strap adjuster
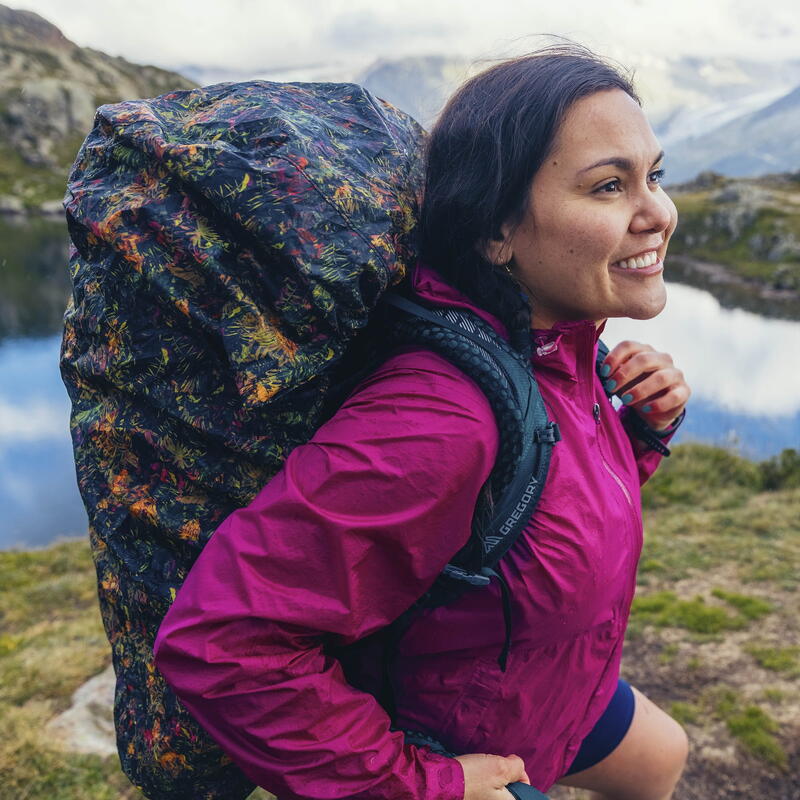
x,y
472,578
550,434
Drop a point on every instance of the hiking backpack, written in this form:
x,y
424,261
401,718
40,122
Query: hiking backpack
x,y
228,245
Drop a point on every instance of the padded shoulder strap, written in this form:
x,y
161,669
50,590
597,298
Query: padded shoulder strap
x,y
526,435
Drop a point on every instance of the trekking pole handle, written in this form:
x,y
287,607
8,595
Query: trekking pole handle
x,y
524,791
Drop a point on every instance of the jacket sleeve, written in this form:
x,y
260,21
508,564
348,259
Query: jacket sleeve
x,y
648,447
354,528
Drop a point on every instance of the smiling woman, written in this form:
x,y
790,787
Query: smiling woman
x,y
281,643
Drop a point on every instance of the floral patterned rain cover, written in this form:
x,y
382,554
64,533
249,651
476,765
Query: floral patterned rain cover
x,y
227,243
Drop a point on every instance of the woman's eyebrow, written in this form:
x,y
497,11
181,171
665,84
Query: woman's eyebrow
x,y
620,162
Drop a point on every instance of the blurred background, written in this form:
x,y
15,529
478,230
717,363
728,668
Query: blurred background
x,y
714,637
720,83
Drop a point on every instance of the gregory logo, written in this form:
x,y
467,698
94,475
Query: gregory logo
x,y
520,508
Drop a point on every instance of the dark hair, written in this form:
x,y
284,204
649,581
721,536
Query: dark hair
x,y
483,152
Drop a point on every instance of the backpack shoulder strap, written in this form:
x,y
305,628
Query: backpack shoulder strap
x,y
526,434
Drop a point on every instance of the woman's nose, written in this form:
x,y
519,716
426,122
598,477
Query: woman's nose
x,y
655,212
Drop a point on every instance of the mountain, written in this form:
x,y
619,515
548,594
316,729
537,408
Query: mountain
x,y
688,96
49,90
763,141
733,116
418,85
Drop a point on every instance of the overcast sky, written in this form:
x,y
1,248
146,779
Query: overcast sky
x,y
265,34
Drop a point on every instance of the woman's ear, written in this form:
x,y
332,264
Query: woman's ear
x,y
497,251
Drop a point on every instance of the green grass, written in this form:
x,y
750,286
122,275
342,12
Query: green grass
x,y
715,516
777,659
707,508
755,729
665,609
750,725
34,185
52,642
686,713
702,475
749,607
781,471
730,528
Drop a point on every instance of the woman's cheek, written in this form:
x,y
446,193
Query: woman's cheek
x,y
673,212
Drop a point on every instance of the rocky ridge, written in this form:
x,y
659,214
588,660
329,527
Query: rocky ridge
x,y
740,238
49,90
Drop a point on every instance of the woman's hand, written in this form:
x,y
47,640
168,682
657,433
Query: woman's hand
x,y
486,776
646,381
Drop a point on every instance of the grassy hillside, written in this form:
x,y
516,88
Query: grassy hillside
x,y
714,638
740,238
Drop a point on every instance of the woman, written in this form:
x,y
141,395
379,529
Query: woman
x,y
544,214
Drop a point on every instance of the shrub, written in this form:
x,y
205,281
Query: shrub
x,y
696,474
781,471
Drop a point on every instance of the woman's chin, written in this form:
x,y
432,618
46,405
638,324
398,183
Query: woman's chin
x,y
648,306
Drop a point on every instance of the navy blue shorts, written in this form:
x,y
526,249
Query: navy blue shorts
x,y
609,730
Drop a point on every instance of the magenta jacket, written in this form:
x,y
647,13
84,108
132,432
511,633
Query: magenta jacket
x,y
355,527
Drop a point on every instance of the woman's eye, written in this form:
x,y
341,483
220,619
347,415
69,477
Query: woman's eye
x,y
657,176
610,187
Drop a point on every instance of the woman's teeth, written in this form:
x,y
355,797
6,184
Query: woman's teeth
x,y
647,260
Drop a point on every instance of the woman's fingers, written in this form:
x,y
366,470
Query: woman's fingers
x,y
647,381
622,353
658,404
629,362
486,776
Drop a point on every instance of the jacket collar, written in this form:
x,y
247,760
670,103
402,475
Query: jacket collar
x,y
567,349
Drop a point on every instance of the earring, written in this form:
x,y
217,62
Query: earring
x,y
507,266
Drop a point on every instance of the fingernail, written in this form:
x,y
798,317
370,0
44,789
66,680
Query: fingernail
x,y
605,370
626,398
610,385
647,409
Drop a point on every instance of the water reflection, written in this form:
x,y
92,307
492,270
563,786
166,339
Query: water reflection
x,y
38,490
743,369
34,278
734,360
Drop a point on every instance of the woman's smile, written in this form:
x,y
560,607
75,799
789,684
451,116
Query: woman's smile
x,y
642,261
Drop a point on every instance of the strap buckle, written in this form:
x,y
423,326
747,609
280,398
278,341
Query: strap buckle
x,y
459,574
549,434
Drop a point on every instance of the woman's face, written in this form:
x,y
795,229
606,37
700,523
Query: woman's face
x,y
593,240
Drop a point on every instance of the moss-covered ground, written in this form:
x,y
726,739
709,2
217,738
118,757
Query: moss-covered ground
x,y
714,637
34,185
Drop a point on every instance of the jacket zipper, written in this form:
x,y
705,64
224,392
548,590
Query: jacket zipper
x,y
624,489
606,465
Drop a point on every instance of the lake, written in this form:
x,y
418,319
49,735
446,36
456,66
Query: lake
x,y
744,370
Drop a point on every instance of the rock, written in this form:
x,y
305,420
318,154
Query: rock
x,y
88,725
52,208
11,206
28,27
41,113
706,180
